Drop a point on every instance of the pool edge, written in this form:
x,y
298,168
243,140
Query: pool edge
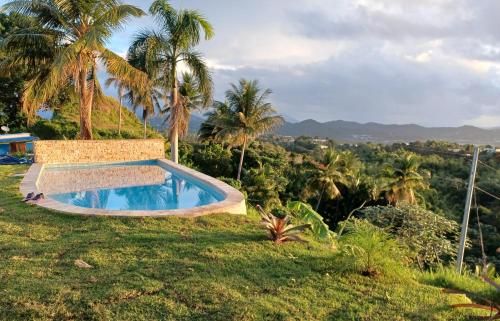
x,y
233,202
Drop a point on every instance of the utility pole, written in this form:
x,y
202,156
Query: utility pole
x,y
468,202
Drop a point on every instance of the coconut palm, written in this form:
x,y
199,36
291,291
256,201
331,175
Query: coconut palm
x,y
246,115
208,131
190,99
405,178
80,28
122,88
329,173
148,98
148,95
166,49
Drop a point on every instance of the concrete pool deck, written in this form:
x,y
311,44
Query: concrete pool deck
x,y
233,201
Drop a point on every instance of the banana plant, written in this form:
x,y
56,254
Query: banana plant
x,y
306,214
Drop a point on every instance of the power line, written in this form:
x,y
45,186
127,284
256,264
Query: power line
x,y
437,151
487,193
483,253
488,165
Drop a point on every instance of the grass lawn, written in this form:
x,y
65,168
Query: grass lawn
x,y
220,267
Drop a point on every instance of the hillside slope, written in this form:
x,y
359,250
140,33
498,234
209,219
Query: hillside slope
x,y
219,267
65,123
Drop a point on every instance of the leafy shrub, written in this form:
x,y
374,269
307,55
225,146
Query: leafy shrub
x,y
264,185
214,160
429,237
231,181
369,250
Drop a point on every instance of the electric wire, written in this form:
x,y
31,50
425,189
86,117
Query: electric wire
x,y
487,193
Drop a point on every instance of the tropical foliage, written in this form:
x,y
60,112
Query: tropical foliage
x,y
369,250
305,213
66,42
405,179
280,228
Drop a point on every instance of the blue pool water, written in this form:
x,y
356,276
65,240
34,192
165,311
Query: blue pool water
x,y
129,186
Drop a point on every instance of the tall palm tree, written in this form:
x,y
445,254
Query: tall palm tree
x,y
190,99
328,175
405,179
80,28
164,50
246,115
122,88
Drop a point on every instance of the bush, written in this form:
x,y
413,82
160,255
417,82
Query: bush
x,y
214,160
55,129
429,237
264,185
369,250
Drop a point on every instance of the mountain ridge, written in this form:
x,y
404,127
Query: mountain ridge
x,y
351,131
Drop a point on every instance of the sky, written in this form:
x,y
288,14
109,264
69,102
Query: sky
x,y
428,62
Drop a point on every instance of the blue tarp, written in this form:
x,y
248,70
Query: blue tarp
x,y
21,139
10,160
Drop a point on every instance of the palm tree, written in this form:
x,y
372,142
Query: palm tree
x,y
246,115
329,173
166,49
148,96
190,99
405,178
208,130
80,28
122,88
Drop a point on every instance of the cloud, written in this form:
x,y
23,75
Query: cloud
x,y
431,62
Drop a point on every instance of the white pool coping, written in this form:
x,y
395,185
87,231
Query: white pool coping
x,y
233,202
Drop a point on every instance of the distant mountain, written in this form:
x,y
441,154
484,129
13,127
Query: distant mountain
x,y
346,131
158,123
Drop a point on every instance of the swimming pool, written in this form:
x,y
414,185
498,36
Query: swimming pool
x,y
141,188
149,187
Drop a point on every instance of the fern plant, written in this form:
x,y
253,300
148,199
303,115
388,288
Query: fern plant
x,y
369,250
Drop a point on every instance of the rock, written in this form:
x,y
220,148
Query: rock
x,y
82,264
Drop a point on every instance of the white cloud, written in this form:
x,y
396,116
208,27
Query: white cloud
x,y
487,121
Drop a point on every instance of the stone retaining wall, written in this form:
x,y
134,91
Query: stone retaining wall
x,y
97,151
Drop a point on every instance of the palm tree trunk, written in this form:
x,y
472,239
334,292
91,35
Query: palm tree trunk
x,y
320,198
85,102
174,132
240,167
145,118
120,117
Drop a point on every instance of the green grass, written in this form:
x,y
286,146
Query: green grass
x,y
220,267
